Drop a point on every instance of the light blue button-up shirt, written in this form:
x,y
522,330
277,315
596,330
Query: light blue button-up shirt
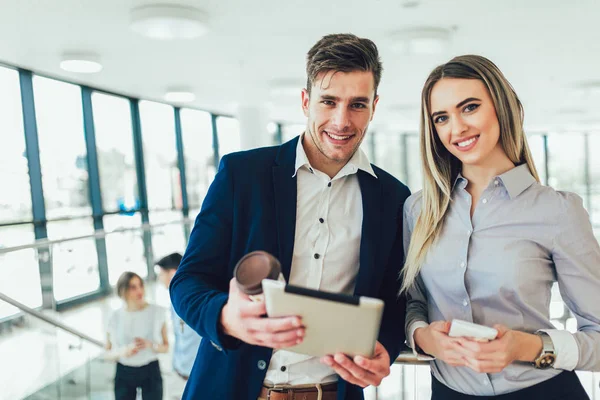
x,y
186,345
498,267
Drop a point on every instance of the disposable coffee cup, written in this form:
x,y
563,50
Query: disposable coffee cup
x,y
252,269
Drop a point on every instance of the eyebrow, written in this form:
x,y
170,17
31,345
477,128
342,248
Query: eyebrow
x,y
352,100
459,105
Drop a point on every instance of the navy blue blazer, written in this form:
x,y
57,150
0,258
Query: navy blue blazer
x,y
251,205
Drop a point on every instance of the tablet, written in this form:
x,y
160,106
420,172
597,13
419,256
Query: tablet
x,y
335,323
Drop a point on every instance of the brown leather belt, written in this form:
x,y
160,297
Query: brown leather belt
x,y
301,392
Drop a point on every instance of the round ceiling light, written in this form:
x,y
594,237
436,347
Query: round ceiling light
x,y
81,63
421,40
179,96
167,22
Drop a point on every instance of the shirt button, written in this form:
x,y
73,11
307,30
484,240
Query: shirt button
x,y
283,368
262,364
484,201
462,265
317,256
321,220
465,302
469,232
496,182
329,184
485,382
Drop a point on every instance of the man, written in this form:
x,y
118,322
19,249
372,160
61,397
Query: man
x,y
187,341
331,218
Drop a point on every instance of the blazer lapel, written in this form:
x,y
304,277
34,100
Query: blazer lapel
x,y
285,190
370,189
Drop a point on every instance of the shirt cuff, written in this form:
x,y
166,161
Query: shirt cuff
x,y
411,341
565,348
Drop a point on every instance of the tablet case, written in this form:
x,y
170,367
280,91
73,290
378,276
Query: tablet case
x,y
334,322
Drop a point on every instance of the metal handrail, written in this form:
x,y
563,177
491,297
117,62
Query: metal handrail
x,y
101,233
49,320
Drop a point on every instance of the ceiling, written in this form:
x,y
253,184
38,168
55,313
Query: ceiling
x,y
546,48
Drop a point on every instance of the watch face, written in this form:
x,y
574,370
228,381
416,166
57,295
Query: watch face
x,y
545,361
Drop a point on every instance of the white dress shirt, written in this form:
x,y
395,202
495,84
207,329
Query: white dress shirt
x,y
326,250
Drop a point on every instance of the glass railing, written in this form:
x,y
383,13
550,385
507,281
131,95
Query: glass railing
x,y
42,358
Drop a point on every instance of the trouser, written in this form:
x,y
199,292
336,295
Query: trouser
x,y
564,386
146,377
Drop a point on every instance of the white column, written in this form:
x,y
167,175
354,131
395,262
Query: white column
x,y
253,121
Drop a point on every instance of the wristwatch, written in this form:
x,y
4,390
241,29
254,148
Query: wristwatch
x,y
547,356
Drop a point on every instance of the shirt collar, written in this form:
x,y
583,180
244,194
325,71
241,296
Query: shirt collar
x,y
515,180
358,161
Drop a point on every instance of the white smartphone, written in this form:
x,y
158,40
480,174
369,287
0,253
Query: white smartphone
x,y
460,328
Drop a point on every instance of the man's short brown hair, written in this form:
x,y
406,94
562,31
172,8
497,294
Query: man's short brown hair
x,y
343,52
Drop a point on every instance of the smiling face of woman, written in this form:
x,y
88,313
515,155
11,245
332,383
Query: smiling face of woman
x,y
464,117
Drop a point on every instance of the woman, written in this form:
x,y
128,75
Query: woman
x,y
136,333
484,243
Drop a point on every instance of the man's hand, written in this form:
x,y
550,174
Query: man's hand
x,y
434,340
244,319
361,371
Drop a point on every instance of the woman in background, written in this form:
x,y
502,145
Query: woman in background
x,y
484,243
137,332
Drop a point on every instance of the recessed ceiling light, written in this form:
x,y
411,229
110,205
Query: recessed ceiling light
x,y
421,40
179,96
166,22
81,63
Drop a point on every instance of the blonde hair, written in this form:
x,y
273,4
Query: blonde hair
x,y
440,168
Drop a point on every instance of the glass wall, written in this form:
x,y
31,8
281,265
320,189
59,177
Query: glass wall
x,y
63,159
114,146
62,148
15,204
566,163
199,157
388,153
160,156
228,132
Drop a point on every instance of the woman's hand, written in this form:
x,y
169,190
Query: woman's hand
x,y
131,350
141,343
434,340
494,356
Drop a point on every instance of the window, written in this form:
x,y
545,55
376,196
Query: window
x,y
228,131
414,163
388,153
20,269
594,168
116,160
288,132
160,156
198,151
566,163
536,146
74,263
63,154
167,239
125,250
15,204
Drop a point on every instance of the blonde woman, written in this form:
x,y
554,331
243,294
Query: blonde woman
x,y
136,333
484,243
